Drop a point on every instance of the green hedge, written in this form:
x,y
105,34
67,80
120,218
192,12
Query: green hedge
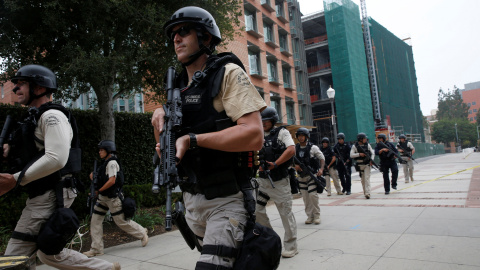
x,y
135,147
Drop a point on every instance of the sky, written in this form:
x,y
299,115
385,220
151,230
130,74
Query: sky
x,y
445,38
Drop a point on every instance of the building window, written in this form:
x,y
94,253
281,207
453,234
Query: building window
x,y
290,110
469,104
283,42
275,102
254,63
474,102
250,20
474,110
469,111
287,82
279,9
268,32
272,70
471,118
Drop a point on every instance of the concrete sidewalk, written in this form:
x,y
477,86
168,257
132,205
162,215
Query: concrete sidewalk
x,y
431,223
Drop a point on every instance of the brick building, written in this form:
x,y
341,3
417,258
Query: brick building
x,y
471,97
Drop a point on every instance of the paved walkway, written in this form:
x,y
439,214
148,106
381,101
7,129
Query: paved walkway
x,y
431,223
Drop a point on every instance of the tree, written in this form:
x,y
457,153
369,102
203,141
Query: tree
x,y
114,47
450,105
443,131
477,115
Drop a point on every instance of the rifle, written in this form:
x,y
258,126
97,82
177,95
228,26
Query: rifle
x,y
341,161
407,153
4,134
390,151
91,200
167,173
305,168
267,172
369,158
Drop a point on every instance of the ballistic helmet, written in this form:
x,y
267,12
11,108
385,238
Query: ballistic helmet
x,y
108,145
303,131
270,114
383,136
340,136
325,139
361,136
402,136
197,16
38,75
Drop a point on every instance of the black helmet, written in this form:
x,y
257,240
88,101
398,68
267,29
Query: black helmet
x,y
197,16
303,131
340,136
383,136
270,114
108,145
402,136
37,74
361,136
325,139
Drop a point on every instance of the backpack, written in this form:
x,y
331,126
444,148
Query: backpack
x,y
58,231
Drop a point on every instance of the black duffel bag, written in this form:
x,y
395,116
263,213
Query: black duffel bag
x,y
58,231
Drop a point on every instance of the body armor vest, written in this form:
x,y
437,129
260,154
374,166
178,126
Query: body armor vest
x,y
112,191
329,154
210,172
387,156
362,160
24,151
272,150
303,154
405,148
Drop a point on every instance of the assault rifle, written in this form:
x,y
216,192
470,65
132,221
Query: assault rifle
x,y
91,200
167,168
391,152
342,161
369,158
264,166
407,153
4,134
319,182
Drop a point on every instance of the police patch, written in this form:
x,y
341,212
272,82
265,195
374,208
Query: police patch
x,y
242,79
193,99
52,120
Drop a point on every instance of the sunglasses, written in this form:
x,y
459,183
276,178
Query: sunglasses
x,y
182,31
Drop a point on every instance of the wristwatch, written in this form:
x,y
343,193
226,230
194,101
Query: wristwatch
x,y
193,140
275,165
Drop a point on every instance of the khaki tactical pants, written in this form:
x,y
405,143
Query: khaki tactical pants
x,y
96,226
365,178
408,168
336,181
220,221
308,189
35,213
282,196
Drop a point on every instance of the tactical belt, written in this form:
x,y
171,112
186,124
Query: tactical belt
x,y
24,236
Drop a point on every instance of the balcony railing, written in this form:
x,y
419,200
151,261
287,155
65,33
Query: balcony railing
x,y
318,68
315,40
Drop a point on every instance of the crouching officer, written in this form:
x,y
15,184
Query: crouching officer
x,y
387,161
41,151
363,162
278,150
310,155
108,190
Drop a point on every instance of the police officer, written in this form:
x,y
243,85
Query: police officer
x,y
387,161
278,151
214,87
330,168
363,163
344,163
108,191
406,150
50,131
310,155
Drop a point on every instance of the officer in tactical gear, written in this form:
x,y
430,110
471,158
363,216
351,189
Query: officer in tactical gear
x,y
109,194
221,119
406,150
330,168
344,163
363,163
310,155
43,168
387,161
278,151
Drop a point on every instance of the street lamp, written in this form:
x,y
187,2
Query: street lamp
x,y
331,96
456,132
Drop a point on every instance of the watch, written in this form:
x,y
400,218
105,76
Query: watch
x,y
193,140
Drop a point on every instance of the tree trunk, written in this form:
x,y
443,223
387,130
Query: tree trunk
x,y
105,108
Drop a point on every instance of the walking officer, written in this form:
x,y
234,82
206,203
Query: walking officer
x,y
406,150
387,161
344,163
109,192
278,150
363,158
221,119
46,136
330,167
310,155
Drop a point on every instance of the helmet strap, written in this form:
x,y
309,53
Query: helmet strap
x,y
32,94
202,50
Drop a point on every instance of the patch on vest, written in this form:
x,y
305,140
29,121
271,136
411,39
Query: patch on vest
x,y
52,120
193,99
